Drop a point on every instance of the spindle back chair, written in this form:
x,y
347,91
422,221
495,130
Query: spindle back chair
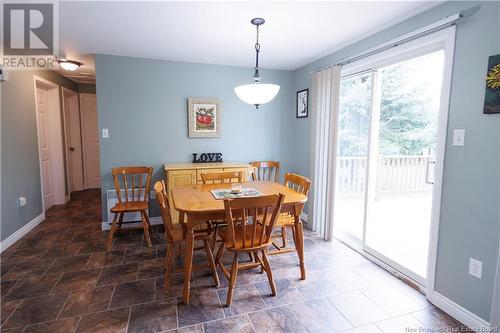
x,y
266,170
299,184
132,185
250,224
175,235
222,177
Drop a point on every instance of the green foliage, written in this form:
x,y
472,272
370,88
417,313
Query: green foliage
x,y
408,110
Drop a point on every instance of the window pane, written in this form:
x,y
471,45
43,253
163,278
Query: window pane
x,y
399,213
354,119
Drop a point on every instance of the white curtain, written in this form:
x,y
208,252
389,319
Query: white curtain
x,y
325,113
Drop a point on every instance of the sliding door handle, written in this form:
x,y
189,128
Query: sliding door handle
x,y
427,172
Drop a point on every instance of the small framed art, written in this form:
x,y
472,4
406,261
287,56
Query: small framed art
x,y
204,118
302,103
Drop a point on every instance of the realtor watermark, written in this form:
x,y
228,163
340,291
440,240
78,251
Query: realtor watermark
x,y
449,329
30,38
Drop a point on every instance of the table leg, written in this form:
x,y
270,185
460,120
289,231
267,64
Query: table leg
x,y
188,258
299,242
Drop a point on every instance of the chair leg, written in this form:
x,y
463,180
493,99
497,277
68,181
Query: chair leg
x,y
145,226
214,238
267,268
120,221
283,235
293,235
211,262
232,279
259,261
168,265
218,257
147,220
112,231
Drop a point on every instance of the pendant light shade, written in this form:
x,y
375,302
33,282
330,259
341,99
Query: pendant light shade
x,y
257,93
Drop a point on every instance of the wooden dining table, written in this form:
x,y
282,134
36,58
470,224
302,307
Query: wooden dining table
x,y
196,204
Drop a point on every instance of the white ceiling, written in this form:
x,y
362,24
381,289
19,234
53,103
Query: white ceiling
x,y
295,33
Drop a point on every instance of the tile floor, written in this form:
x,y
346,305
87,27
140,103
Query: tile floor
x,y
59,278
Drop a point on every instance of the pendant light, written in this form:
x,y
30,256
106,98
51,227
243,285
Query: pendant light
x,y
257,93
69,65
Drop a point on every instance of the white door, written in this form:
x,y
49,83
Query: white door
x,y
73,141
43,115
90,134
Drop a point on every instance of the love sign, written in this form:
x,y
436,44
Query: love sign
x,y
207,157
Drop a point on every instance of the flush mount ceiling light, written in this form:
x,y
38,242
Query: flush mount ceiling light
x,y
69,65
257,93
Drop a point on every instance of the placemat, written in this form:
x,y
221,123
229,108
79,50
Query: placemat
x,y
246,192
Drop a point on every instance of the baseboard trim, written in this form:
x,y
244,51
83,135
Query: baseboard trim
x,y
153,220
458,312
7,242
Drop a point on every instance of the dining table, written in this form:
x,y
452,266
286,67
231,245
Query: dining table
x,y
196,204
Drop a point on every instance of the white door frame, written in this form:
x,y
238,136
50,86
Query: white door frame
x,y
444,39
72,93
495,306
56,141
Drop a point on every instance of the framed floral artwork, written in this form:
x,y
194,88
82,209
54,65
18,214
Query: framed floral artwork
x,y
492,94
204,118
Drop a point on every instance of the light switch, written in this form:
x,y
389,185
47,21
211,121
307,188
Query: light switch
x,y
459,137
22,201
105,133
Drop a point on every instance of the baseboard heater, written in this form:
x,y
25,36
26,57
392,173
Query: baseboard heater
x,y
129,219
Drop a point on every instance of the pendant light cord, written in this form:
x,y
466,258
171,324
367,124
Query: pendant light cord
x,y
256,76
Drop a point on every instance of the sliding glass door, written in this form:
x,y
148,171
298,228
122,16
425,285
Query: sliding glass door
x,y
386,154
352,152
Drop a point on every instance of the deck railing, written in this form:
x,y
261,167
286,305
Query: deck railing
x,y
396,173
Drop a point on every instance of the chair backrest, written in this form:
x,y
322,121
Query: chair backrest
x,y
222,177
266,170
136,183
162,199
242,215
297,183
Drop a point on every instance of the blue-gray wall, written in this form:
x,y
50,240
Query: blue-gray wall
x,y
20,165
143,102
470,216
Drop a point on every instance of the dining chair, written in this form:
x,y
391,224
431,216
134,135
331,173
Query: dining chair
x,y
132,185
299,184
250,224
218,178
222,177
175,235
266,170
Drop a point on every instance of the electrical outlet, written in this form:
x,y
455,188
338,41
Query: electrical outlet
x,y
475,267
22,201
152,195
105,133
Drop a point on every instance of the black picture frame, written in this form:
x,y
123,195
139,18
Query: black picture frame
x,y
303,111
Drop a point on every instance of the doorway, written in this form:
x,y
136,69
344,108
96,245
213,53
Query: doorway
x,y
50,143
73,147
90,141
391,133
